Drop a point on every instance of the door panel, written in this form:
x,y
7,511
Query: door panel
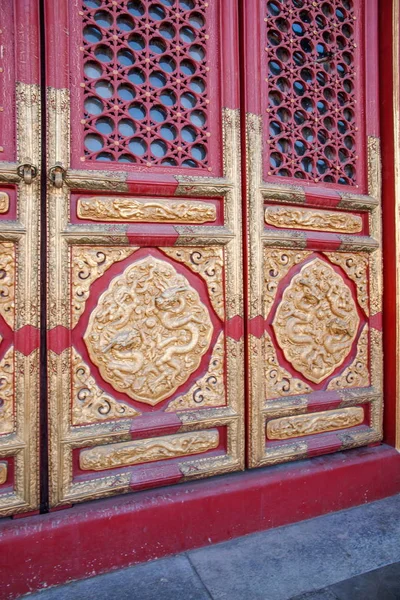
x,y
313,217
145,279
19,257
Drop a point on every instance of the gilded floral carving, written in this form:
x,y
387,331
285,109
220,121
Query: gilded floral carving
x,y
149,331
304,218
89,403
278,381
7,282
356,268
209,263
142,451
7,392
134,210
209,390
312,423
3,472
316,322
88,264
356,375
4,202
277,263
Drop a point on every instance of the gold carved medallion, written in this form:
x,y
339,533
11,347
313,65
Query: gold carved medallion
x,y
317,321
312,423
149,331
139,210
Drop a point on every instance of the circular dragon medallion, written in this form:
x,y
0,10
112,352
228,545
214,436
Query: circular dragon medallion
x,y
149,331
316,321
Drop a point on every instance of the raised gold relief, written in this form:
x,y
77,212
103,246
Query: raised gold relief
x,y
142,451
139,210
7,392
312,423
89,403
3,472
209,263
4,202
210,389
356,267
303,218
316,321
149,331
277,263
278,381
356,375
7,282
88,264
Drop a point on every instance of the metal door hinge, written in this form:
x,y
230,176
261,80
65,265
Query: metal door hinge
x,y
57,175
27,171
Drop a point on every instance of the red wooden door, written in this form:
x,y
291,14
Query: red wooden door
x,y
314,227
145,289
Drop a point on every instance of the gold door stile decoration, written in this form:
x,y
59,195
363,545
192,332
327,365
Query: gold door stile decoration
x,y
210,389
211,252
19,306
301,218
139,210
142,451
312,423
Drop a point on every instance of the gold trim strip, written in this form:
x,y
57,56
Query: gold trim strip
x,y
126,454
136,210
3,472
312,423
321,220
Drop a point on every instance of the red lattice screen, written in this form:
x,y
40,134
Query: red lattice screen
x,y
146,96
312,89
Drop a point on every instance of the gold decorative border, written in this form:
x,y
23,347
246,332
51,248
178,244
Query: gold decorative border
x,y
21,436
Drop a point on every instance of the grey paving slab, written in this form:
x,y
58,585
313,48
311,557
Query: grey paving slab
x,y
282,563
166,579
319,595
381,584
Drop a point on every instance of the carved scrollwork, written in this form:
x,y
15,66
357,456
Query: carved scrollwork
x,y
149,331
88,264
7,282
356,267
304,218
4,202
209,263
210,389
131,210
312,423
132,453
317,321
7,392
277,263
278,381
89,403
356,375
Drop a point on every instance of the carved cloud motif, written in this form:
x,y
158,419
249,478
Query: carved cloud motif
x,y
149,331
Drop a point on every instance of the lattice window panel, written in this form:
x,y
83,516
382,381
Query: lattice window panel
x,y
146,97
312,122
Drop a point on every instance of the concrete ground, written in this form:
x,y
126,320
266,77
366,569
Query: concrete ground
x,y
348,555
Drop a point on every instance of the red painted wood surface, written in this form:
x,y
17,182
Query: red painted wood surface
x,y
98,537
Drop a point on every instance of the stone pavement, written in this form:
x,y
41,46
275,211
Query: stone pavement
x,y
349,555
